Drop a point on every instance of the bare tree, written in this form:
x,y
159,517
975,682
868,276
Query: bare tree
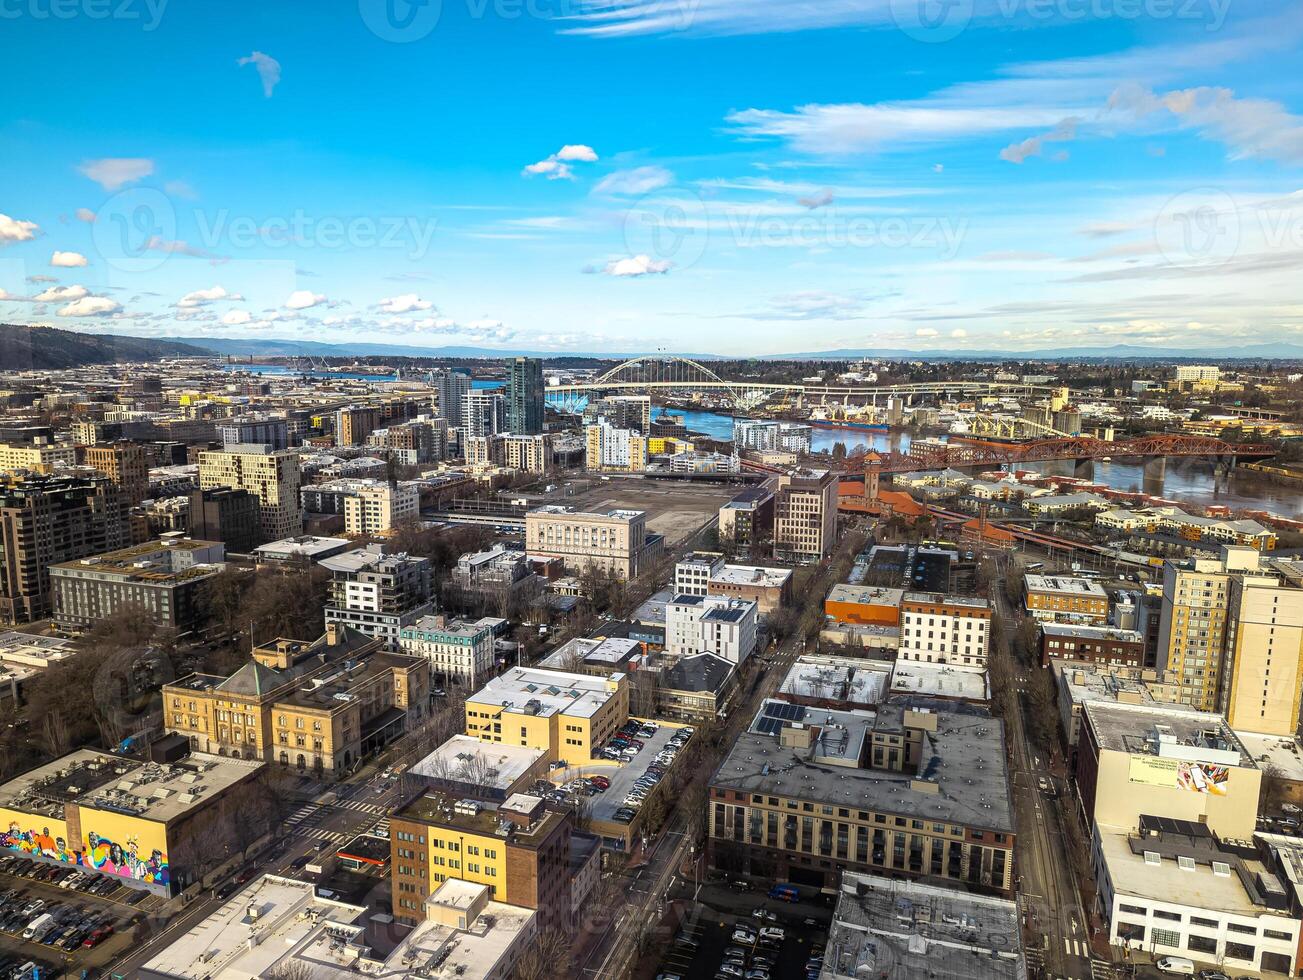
x,y
548,957
291,969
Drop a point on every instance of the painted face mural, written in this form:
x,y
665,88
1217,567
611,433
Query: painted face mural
x,y
101,854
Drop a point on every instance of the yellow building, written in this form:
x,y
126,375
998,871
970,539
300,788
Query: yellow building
x,y
156,826
612,450
668,445
317,706
565,715
519,850
1059,598
1192,627
36,459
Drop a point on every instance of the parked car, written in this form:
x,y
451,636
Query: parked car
x,y
1176,965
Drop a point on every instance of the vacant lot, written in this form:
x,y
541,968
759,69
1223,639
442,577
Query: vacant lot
x,y
674,510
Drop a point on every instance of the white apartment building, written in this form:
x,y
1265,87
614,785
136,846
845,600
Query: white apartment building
x,y
459,650
484,412
1198,372
944,629
710,624
377,594
376,509
692,574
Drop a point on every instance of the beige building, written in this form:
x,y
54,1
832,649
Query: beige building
x,y
126,466
527,453
316,707
1264,662
271,476
36,459
1062,599
1165,761
805,516
377,509
615,541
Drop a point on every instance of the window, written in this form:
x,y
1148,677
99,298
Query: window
x,y
1239,951
1167,937
1201,944
1153,857
1277,934
1185,863
1221,869
1169,916
1241,929
1132,909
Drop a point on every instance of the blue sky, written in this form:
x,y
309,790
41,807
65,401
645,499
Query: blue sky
x,y
697,175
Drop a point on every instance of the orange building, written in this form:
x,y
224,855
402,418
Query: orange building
x,y
864,605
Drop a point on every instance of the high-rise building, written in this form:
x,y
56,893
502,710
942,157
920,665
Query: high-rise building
x,y
48,520
483,412
1262,682
612,450
452,387
271,475
126,466
805,516
354,423
36,458
228,515
524,396
376,509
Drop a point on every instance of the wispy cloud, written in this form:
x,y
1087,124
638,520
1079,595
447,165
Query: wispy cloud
x,y
268,68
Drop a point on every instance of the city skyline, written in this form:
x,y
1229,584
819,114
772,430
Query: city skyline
x,y
758,179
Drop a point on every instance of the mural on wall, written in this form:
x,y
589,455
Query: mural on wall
x,y
101,854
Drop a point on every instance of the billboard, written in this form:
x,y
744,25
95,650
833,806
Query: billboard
x,y
1192,777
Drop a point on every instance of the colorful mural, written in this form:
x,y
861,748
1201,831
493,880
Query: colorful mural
x,y
101,854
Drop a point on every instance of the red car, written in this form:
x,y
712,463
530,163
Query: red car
x,y
97,937
601,781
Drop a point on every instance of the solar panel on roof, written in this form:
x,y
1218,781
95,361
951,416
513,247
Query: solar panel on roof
x,y
785,711
769,726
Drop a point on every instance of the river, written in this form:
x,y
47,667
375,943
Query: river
x,y
1192,481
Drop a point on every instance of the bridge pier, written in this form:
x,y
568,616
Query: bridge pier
x,y
1083,468
1155,468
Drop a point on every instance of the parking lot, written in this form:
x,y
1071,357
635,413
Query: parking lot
x,y
624,776
704,946
47,925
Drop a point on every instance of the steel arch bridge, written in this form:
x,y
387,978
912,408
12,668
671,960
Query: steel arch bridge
x,y
665,374
671,373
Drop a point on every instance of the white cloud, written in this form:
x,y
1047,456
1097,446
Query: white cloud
x,y
4,294
925,332
407,303
202,297
959,333
68,260
557,166
1064,132
269,70
236,318
304,299
61,294
114,173
13,230
1257,128
639,180
91,306
86,215
636,265
180,188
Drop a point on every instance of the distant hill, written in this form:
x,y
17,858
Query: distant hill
x,y
24,348
272,347
1117,352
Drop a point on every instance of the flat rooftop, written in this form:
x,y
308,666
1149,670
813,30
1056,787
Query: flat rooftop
x,y
1086,682
855,681
32,650
872,595
115,784
304,546
903,930
965,758
939,681
1065,585
1286,754
167,560
756,575
1072,631
466,759
947,599
436,808
527,690
1185,733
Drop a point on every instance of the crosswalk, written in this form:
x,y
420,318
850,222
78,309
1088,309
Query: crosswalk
x,y
320,833
1076,947
303,814
360,806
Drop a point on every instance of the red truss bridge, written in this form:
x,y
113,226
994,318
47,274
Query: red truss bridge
x,y
1080,448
